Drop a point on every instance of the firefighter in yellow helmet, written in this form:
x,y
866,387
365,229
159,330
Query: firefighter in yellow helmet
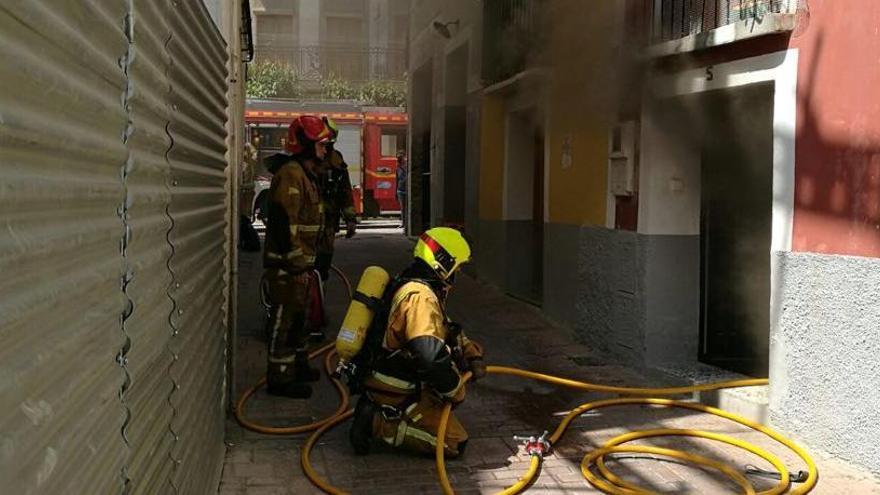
x,y
292,232
422,357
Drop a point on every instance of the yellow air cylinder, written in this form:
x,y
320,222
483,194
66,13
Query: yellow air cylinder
x,y
357,320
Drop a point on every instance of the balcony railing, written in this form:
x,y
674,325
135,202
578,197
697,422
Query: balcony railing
x,y
675,19
353,63
510,34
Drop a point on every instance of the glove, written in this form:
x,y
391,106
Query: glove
x,y
477,368
350,229
453,330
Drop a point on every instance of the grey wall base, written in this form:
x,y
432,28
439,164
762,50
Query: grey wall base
x,y
825,355
632,295
637,298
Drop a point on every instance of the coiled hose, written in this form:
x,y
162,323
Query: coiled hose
x,y
593,465
341,389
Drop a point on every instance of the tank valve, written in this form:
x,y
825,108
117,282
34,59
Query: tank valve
x,y
344,367
799,477
535,446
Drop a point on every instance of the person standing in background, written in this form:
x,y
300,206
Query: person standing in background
x,y
402,172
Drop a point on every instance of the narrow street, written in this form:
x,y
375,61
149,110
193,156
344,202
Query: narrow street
x,y
627,195
496,409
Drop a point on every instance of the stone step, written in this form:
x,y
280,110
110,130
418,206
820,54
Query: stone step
x,y
749,402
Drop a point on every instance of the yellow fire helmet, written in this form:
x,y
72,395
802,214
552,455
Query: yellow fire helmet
x,y
443,249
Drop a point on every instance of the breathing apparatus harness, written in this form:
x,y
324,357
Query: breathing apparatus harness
x,y
373,357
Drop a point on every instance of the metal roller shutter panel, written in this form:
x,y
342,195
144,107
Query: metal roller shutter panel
x,y
198,74
61,159
116,238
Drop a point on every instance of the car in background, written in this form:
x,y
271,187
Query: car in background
x,y
260,207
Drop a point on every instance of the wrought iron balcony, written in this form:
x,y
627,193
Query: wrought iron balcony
x,y
510,34
675,19
354,63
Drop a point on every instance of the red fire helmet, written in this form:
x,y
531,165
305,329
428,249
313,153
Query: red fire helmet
x,y
304,131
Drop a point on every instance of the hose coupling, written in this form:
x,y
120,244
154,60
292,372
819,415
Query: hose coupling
x,y
535,446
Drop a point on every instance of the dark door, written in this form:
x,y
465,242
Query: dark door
x,y
736,195
420,163
453,165
538,218
455,136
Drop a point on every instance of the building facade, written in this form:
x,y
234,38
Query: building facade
x,y
691,186
357,40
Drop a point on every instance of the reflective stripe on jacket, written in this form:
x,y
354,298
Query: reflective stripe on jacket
x,y
295,220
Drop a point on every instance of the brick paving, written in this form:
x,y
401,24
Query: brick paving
x,y
497,408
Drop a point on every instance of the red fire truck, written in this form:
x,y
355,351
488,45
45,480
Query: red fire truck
x,y
369,138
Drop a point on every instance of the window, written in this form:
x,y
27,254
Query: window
x,y
270,138
398,29
393,140
274,25
344,30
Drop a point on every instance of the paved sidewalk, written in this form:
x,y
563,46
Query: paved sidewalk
x,y
497,408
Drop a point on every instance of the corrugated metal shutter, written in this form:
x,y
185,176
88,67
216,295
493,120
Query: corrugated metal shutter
x,y
115,236
349,144
198,75
61,158
148,195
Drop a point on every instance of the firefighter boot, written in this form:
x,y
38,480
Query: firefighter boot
x,y
362,427
302,370
281,382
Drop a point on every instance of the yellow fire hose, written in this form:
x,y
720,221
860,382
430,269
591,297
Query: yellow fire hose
x,y
606,481
601,478
341,389
293,430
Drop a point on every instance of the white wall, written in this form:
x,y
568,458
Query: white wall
x,y
669,179
519,165
779,68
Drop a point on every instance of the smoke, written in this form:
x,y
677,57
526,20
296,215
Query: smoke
x,y
596,71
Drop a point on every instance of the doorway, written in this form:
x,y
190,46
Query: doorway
x,y
420,152
524,205
455,136
736,203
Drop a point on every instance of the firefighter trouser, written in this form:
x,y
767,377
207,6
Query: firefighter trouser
x,y
411,421
287,330
324,256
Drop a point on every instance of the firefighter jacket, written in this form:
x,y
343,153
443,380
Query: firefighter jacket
x,y
335,184
295,220
418,336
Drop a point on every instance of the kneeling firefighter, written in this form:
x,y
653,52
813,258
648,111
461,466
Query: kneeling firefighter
x,y
292,231
413,358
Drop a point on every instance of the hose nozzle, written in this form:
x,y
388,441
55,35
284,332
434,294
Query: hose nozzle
x,y
799,477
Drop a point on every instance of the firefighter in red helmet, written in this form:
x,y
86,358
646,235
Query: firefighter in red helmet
x,y
293,228
338,202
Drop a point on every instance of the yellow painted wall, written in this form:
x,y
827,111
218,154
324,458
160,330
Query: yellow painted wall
x,y
583,91
577,194
583,102
491,157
